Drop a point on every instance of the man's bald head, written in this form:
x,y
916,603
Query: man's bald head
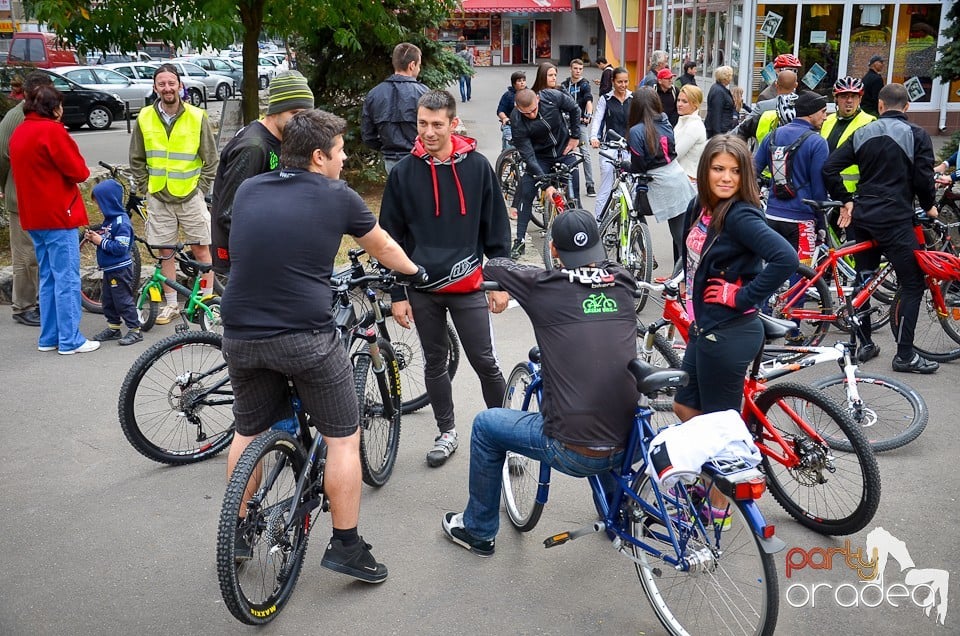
x,y
525,98
786,82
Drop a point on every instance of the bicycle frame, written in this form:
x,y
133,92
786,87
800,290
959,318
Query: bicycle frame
x,y
152,291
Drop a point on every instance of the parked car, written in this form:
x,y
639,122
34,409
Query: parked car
x,y
81,105
217,65
99,57
220,86
133,93
42,50
142,73
265,72
278,58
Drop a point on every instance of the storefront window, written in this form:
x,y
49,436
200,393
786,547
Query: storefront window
x,y
775,36
916,49
820,34
871,27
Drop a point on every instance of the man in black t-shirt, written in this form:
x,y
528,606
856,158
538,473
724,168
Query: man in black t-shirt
x,y
278,321
254,150
584,322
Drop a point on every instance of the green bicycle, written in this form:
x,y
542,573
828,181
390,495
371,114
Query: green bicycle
x,y
200,309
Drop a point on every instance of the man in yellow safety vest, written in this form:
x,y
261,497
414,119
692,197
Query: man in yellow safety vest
x,y
838,127
173,157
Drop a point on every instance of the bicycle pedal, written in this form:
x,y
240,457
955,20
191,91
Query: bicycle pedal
x,y
557,539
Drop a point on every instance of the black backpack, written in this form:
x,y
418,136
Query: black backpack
x,y
781,166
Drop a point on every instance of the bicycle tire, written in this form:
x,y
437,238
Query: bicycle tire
x,y
406,345
935,337
738,593
892,414
255,591
90,299
520,476
809,332
664,355
214,324
949,213
803,490
641,259
166,410
379,435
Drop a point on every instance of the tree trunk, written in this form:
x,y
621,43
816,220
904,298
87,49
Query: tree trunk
x,y
251,15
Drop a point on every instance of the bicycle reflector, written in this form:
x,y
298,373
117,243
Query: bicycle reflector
x,y
749,489
939,265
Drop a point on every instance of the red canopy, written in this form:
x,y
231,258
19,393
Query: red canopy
x,y
515,6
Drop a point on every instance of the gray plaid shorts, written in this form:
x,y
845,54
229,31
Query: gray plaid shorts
x,y
320,369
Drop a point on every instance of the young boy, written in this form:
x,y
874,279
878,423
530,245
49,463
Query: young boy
x,y
114,243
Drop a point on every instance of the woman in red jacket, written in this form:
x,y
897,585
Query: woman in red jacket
x,y
47,166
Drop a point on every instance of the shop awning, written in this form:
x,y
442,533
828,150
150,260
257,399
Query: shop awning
x,y
515,6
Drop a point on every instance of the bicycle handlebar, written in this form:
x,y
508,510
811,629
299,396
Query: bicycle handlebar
x,y
560,171
823,206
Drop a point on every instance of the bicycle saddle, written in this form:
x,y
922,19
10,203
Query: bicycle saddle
x,y
774,328
651,379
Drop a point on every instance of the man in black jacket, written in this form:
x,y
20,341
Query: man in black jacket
x,y
389,121
872,83
254,150
443,205
541,136
579,90
895,159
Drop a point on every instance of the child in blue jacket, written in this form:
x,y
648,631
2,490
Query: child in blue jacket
x,y
114,242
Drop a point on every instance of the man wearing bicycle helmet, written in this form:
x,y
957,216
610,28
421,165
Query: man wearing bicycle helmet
x,y
786,61
586,413
894,157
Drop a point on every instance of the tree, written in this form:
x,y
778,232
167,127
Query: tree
x,y
123,24
947,67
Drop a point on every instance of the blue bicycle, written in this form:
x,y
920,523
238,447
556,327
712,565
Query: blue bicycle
x,y
705,568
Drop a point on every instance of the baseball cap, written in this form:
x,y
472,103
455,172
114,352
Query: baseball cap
x,y
577,238
665,73
875,58
809,103
289,91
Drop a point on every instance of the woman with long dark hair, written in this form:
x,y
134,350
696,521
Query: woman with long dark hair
x,y
653,151
546,77
732,262
47,166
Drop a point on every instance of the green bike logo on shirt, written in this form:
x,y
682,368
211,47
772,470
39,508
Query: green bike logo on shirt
x,y
274,160
599,304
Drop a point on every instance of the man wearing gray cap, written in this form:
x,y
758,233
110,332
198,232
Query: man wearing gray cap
x,y
872,83
583,319
254,150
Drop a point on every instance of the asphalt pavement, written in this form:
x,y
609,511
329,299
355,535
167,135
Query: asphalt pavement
x,y
99,540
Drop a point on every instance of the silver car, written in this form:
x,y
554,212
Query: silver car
x,y
220,86
142,73
109,81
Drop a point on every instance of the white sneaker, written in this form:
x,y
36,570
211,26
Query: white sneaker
x,y
168,313
45,348
444,446
86,347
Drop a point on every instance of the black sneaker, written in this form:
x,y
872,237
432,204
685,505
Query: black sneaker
x,y
357,561
519,247
133,337
453,528
242,551
918,364
591,192
867,351
109,333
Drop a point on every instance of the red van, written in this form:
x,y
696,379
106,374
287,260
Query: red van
x,y
41,50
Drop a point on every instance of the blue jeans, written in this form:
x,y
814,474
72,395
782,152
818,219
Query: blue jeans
x,y
58,261
465,81
496,431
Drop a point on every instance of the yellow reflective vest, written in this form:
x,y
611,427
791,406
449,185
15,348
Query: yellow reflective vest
x,y
851,174
173,161
769,120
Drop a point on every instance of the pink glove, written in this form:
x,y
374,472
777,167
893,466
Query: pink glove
x,y
720,292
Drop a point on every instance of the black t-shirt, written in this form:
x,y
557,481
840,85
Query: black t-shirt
x,y
286,231
586,328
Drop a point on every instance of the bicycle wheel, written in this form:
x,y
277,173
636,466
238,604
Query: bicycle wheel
x,y
549,213
379,434
406,346
818,299
663,356
826,490
147,309
639,261
891,414
736,592
264,481
210,323
176,402
936,337
90,297
521,475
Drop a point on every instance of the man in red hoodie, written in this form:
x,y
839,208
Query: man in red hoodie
x,y
443,205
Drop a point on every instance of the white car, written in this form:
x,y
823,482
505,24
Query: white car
x,y
219,86
279,60
265,72
142,73
109,81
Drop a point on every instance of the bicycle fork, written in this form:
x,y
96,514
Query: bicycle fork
x,y
379,366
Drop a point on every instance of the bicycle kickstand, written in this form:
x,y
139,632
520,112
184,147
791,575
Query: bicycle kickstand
x,y
570,535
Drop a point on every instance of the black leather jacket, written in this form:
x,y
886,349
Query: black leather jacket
x,y
546,135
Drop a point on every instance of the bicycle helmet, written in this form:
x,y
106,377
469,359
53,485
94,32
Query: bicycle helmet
x,y
939,265
787,107
787,60
848,85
